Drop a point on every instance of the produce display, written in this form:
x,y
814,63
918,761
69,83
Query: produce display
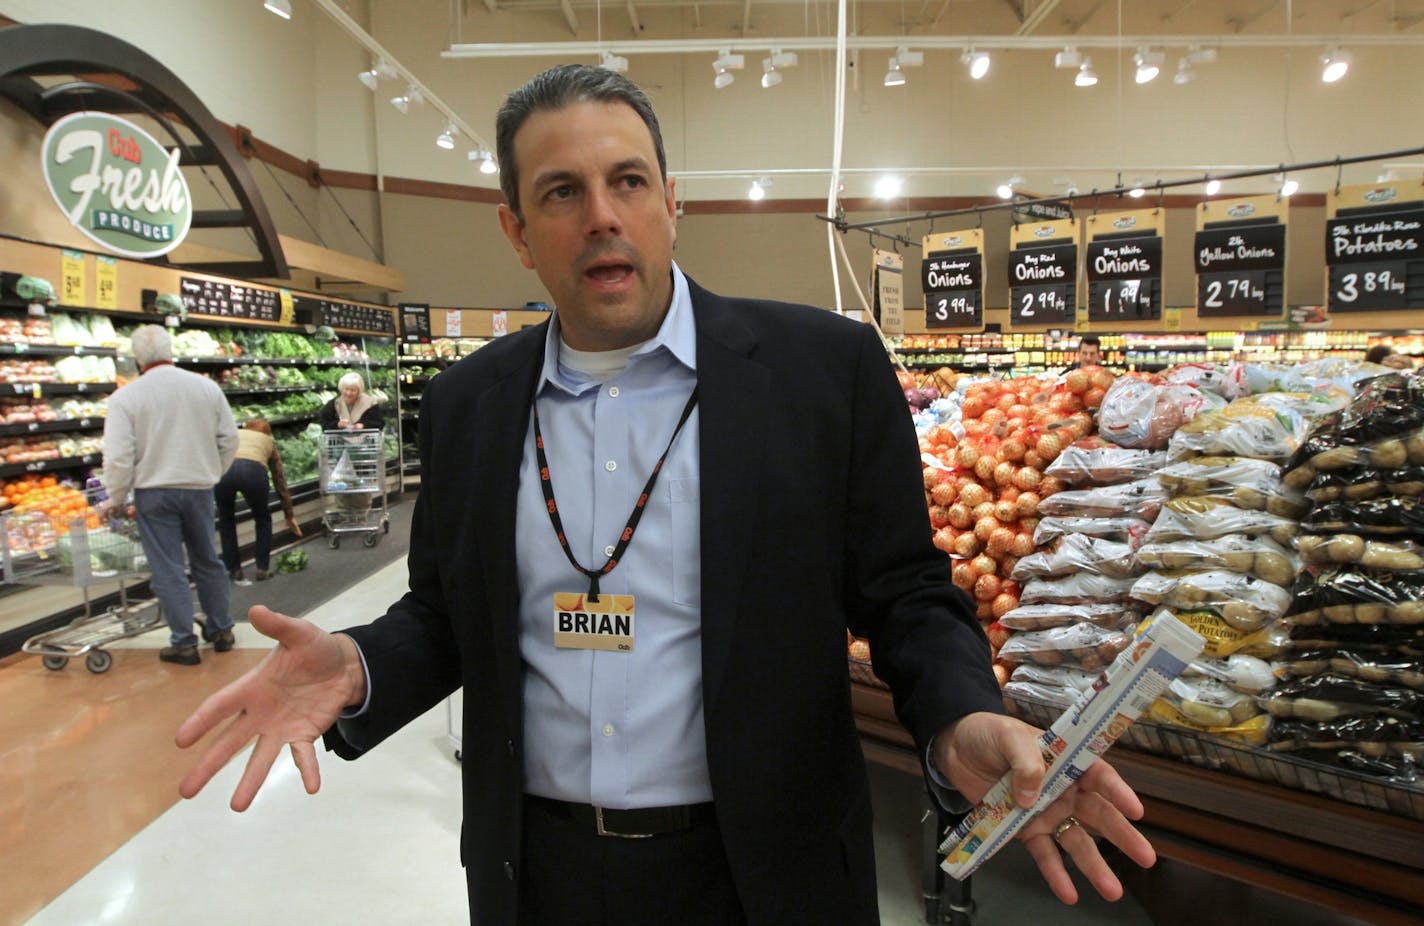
x,y
1277,511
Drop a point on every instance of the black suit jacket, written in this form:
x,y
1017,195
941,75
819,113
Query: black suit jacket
x,y
813,520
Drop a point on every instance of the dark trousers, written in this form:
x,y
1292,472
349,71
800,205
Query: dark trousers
x,y
249,478
571,875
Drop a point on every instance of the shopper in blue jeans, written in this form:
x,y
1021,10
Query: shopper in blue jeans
x,y
168,438
257,453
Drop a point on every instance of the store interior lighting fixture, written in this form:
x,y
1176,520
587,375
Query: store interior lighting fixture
x,y
725,64
1336,62
411,97
1068,58
1149,65
903,58
888,187
380,70
282,8
758,188
977,62
1288,185
1005,190
615,63
488,165
1213,186
446,139
1086,76
771,67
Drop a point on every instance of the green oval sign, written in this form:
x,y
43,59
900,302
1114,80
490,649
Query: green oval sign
x,y
117,184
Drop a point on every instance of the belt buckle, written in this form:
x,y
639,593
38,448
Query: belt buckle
x,y
598,820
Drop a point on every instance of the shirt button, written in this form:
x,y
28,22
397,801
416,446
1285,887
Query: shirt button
x,y
511,746
608,729
509,870
608,550
610,466
613,391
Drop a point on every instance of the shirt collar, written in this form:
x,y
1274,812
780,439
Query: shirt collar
x,y
678,334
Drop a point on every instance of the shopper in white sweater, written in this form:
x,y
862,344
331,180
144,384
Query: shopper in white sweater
x,y
168,438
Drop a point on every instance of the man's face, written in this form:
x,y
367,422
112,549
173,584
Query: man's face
x,y
599,224
1089,355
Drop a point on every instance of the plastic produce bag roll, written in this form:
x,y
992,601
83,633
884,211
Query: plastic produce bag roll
x,y
1161,651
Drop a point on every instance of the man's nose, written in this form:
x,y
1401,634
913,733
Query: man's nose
x,y
602,213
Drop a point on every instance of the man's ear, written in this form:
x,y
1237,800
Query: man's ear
x,y
672,207
514,230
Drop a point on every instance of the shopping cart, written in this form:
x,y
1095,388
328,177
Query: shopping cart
x,y
63,541
353,495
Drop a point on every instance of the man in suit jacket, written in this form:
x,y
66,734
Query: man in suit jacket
x,y
786,506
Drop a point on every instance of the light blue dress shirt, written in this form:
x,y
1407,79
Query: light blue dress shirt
x,y
617,729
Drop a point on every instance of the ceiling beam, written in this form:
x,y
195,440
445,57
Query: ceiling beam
x,y
570,16
1036,18
633,18
746,18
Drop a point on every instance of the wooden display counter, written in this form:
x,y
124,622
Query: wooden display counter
x,y
1353,860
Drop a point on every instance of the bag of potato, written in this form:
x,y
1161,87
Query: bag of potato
x,y
1270,426
1382,665
1246,603
1328,698
1083,588
1242,481
1043,616
1344,595
1207,706
1239,672
1077,553
1122,530
1372,735
1100,462
1141,499
1251,555
1347,549
1360,483
1078,646
1223,640
1390,516
1197,517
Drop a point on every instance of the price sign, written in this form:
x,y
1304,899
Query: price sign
x,y
954,308
106,291
1045,304
1236,292
1125,278
1123,300
1376,287
71,275
415,322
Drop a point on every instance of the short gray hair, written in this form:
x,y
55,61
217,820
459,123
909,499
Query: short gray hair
x,y
151,344
555,89
352,379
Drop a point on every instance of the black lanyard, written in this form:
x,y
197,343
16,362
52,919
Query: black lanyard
x,y
546,483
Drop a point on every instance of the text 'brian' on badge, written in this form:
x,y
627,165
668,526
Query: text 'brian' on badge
x,y
605,624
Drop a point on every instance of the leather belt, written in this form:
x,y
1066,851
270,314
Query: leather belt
x,y
638,823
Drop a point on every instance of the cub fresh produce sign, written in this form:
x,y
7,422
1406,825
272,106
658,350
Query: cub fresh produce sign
x,y
1240,257
117,184
1124,267
1374,247
952,279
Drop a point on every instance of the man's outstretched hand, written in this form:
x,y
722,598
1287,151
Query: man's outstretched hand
x,y
977,750
290,698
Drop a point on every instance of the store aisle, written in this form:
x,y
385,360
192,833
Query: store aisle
x,y
377,845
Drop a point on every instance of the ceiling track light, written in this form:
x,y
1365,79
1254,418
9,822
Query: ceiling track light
x,y
1288,186
1149,65
1199,55
1138,190
282,8
758,188
887,187
446,139
1336,63
411,97
770,76
1086,76
615,63
725,64
1185,73
381,69
1068,58
488,165
894,77
976,61
1005,190
1213,186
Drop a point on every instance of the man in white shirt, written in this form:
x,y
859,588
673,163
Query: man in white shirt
x,y
168,439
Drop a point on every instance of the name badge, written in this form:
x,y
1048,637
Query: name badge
x,y
605,624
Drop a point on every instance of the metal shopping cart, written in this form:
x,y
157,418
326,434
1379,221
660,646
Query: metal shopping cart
x,y
353,493
62,541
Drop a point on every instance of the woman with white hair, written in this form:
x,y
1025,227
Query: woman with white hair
x,y
353,409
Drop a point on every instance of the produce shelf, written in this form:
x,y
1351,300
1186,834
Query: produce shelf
x,y
23,428
55,350
48,466
37,390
